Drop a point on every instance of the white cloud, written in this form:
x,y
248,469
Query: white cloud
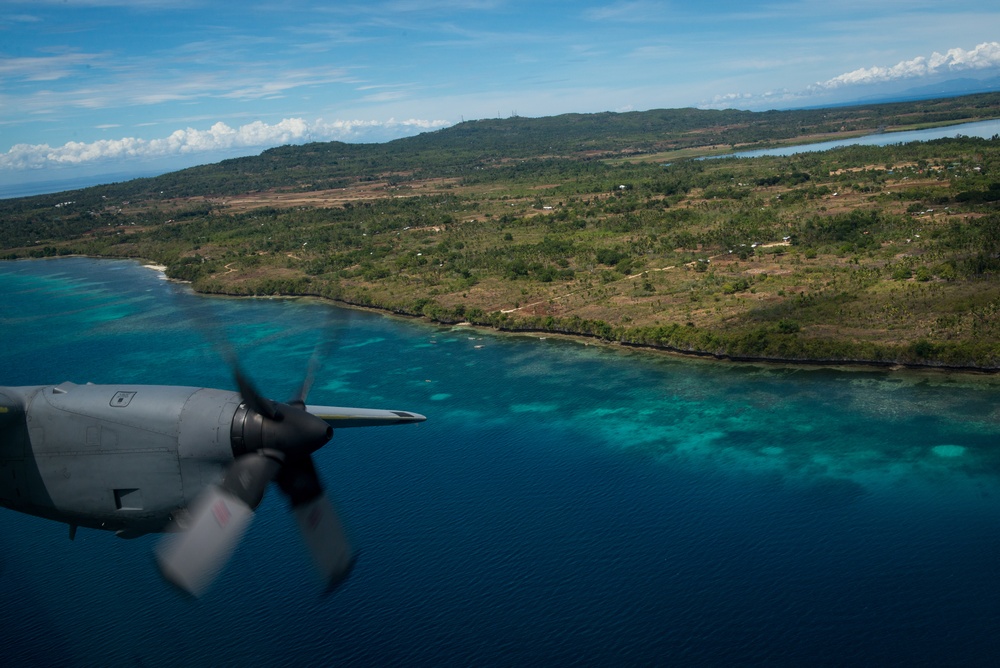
x,y
46,68
984,56
219,137
634,11
438,5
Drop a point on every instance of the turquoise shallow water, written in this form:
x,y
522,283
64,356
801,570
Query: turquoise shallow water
x,y
563,504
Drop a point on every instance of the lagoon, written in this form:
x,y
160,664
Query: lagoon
x,y
984,129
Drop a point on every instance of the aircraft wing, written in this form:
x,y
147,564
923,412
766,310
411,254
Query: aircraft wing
x,y
339,417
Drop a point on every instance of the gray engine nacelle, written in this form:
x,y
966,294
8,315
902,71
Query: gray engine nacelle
x,y
118,457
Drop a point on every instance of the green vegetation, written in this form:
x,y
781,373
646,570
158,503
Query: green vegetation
x,y
575,225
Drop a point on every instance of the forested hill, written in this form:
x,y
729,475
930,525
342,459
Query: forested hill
x,y
456,150
471,145
669,129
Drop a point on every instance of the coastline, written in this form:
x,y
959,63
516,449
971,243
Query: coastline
x,y
158,268
589,338
586,338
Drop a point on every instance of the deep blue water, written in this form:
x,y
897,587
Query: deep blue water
x,y
563,504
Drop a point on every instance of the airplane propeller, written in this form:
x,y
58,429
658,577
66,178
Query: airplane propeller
x,y
279,439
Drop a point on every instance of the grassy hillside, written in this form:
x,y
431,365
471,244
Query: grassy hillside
x,y
574,224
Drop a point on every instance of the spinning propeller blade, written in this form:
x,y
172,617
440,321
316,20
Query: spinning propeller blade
x,y
319,524
280,443
256,402
320,353
300,397
219,517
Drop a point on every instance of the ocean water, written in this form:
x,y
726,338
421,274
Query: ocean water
x,y
564,504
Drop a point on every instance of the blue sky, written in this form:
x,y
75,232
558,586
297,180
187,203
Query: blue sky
x,y
119,86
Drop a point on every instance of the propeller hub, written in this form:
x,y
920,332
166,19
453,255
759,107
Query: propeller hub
x,y
293,431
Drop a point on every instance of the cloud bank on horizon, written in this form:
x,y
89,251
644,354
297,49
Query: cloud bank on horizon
x,y
112,84
984,57
219,137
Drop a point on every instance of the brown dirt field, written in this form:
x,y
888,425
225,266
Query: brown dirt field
x,y
337,196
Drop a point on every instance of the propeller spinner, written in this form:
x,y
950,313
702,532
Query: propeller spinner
x,y
273,441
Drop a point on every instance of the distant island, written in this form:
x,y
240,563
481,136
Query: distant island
x,y
608,225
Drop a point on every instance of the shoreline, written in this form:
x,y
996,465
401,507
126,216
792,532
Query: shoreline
x,y
841,364
591,339
583,337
